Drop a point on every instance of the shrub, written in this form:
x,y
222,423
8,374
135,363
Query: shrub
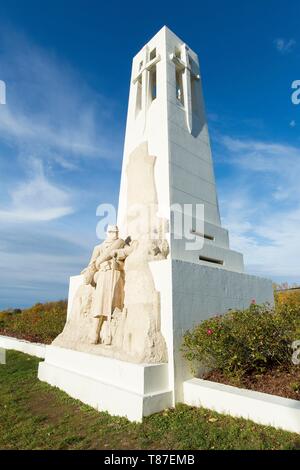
x,y
42,322
242,342
290,298
6,315
295,386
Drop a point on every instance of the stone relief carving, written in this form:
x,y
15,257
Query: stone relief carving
x,y
116,311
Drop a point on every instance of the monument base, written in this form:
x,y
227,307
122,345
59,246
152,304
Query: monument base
x,y
118,387
201,292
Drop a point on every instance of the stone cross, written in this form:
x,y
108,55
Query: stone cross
x,y
183,64
142,78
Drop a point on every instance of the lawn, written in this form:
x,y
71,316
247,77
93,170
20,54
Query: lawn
x,y
34,415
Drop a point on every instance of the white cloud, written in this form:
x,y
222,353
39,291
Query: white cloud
x,y
49,108
268,239
262,210
284,46
36,199
51,124
37,260
258,156
53,115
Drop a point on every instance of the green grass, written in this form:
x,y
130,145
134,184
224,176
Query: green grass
x,y
34,415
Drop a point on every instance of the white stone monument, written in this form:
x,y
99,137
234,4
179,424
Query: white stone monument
x,y
169,264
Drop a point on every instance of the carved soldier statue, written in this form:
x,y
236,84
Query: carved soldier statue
x,y
100,294
123,318
105,272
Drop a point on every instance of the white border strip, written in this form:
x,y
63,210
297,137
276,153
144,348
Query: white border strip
x,y
261,408
33,349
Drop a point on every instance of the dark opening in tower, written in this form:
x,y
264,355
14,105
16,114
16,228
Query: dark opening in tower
x,y
138,103
179,86
152,81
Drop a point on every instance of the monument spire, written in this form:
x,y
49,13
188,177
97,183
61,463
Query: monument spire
x,y
166,112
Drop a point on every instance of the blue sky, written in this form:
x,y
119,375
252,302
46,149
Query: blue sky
x,y
67,65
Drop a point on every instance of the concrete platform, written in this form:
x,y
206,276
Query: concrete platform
x,y
21,345
118,387
262,408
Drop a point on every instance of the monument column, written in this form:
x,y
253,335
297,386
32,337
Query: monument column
x,y
202,276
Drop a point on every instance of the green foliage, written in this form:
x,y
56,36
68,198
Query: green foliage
x,y
289,297
295,386
41,323
6,315
241,342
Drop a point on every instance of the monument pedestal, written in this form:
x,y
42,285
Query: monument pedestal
x,y
189,293
118,387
